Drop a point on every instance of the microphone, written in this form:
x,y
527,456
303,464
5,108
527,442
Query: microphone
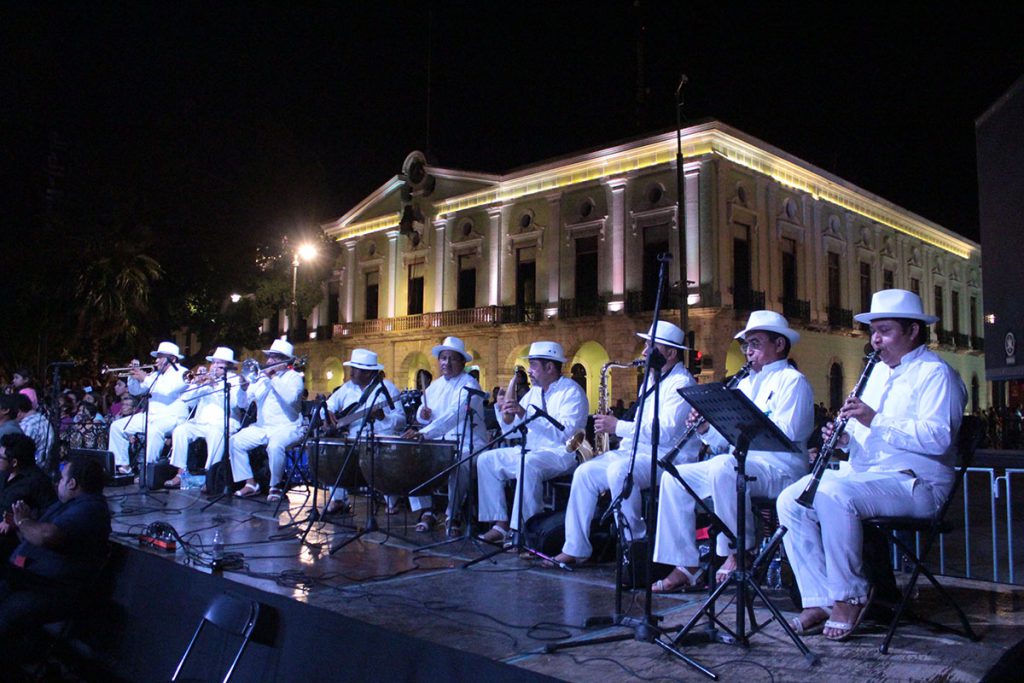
x,y
475,392
368,390
387,397
558,425
63,364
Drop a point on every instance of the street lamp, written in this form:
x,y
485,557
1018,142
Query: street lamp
x,y
305,252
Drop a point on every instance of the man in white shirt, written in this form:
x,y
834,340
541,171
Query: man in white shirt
x,y
447,403
277,393
207,421
564,401
901,437
162,411
608,471
365,370
784,394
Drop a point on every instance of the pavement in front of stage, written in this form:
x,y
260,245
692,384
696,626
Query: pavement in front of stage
x,y
509,609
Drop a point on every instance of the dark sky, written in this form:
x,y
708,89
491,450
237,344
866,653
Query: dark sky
x,y
246,121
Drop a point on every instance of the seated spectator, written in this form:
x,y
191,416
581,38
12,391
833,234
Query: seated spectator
x,y
9,414
36,427
53,567
20,479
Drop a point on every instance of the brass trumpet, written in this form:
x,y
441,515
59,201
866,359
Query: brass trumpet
x,y
251,369
125,371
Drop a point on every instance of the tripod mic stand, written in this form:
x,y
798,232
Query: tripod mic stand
x,y
645,629
519,543
743,424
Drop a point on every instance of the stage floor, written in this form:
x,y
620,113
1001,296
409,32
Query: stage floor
x,y
508,609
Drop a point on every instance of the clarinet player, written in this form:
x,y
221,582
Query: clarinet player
x,y
901,436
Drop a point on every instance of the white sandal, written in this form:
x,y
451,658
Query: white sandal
x,y
690,583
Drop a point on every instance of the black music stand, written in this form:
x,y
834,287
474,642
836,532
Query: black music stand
x,y
746,427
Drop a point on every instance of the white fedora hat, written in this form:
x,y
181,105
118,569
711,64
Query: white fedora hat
x,y
895,303
223,353
281,348
364,359
667,333
546,350
769,321
452,344
167,349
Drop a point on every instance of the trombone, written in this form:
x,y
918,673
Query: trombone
x,y
125,371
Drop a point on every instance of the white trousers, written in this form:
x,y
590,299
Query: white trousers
x,y
493,468
276,439
828,565
187,432
157,429
589,481
676,542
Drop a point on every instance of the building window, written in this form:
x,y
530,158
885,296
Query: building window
x,y
655,243
915,285
974,317
526,277
333,294
888,279
466,296
865,286
834,283
741,264
372,295
586,267
414,298
789,277
954,303
938,304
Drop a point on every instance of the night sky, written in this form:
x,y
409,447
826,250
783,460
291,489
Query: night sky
x,y
225,123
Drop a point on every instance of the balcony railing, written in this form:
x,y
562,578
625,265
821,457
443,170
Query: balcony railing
x,y
839,317
642,302
747,300
944,337
484,315
978,343
581,308
962,340
797,309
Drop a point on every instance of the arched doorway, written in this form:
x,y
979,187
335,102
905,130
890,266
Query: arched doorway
x,y
589,358
835,387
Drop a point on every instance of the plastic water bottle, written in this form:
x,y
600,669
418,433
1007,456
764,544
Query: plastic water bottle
x,y
218,545
774,576
186,480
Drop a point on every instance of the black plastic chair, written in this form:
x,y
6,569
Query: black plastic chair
x,y
235,616
971,431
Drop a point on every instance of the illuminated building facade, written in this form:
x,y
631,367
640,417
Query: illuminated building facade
x,y
567,250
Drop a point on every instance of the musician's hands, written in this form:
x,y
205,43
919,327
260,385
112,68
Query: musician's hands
x,y
693,418
812,455
605,424
426,413
856,409
826,434
511,409
377,414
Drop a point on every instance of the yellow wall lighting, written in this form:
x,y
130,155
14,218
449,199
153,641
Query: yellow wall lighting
x,y
706,139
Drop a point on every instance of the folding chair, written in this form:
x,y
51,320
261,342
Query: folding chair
x,y
930,530
235,616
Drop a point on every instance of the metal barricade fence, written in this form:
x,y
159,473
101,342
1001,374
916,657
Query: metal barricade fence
x,y
984,537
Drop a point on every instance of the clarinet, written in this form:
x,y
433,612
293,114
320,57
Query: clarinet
x,y
692,429
825,454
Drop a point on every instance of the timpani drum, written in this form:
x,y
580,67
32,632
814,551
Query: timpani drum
x,y
333,454
402,464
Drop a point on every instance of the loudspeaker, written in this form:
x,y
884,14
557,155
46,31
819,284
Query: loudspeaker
x,y
105,458
157,473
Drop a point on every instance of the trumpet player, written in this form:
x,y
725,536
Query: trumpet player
x,y
163,412
206,397
784,394
608,472
901,437
277,393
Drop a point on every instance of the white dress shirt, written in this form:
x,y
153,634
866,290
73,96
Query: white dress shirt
x,y
278,399
350,392
164,389
565,401
446,400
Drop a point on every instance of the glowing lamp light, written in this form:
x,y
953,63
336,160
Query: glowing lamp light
x,y
990,318
550,313
235,298
616,306
307,252
329,374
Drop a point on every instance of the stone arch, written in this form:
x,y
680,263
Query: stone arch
x,y
333,374
591,356
405,377
516,356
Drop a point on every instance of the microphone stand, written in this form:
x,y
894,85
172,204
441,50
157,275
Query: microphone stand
x,y
519,544
226,453
53,420
468,425
312,429
644,629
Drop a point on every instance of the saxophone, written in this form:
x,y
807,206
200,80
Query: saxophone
x,y
578,443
